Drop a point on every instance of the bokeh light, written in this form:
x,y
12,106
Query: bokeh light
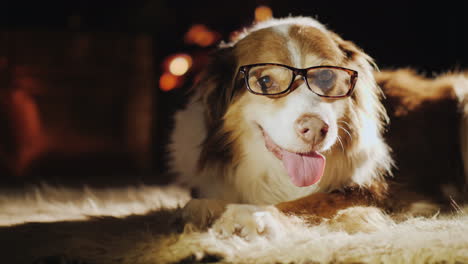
x,y
201,35
168,82
263,13
180,64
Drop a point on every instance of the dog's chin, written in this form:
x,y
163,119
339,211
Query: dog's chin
x,y
304,168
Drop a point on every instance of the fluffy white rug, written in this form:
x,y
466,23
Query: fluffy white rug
x,y
50,204
151,236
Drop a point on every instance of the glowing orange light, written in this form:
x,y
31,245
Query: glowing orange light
x,y
180,64
168,82
263,13
201,35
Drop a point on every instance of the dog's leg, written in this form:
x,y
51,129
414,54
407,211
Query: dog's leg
x,y
398,202
201,213
319,206
350,211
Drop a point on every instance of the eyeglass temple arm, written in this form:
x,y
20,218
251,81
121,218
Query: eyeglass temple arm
x,y
240,71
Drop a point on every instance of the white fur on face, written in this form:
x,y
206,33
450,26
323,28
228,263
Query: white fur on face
x,y
278,119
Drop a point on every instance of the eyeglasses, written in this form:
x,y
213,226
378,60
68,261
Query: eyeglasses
x,y
276,79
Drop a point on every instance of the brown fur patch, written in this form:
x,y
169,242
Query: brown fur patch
x,y
312,40
315,207
262,46
346,133
218,147
217,86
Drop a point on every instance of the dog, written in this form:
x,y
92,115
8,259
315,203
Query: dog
x,y
290,119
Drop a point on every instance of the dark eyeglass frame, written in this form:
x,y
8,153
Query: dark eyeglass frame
x,y
245,69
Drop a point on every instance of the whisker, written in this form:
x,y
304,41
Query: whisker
x,y
347,132
344,122
341,143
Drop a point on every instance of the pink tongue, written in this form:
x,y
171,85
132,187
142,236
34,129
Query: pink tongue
x,y
304,169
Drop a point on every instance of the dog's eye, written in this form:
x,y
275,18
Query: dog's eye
x,y
265,83
324,79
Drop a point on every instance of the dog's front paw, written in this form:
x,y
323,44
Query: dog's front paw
x,y
201,213
249,222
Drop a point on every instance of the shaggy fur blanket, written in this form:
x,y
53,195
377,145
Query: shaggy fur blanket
x,y
139,225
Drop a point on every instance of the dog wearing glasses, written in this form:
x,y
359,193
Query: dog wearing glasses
x,y
288,119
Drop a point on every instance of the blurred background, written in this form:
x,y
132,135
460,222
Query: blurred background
x,y
88,88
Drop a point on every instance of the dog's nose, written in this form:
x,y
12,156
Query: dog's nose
x,y
311,129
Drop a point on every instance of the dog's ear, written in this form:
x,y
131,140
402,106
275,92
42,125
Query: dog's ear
x,y
367,94
353,53
215,89
217,83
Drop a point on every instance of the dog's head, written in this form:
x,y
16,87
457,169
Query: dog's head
x,y
299,89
